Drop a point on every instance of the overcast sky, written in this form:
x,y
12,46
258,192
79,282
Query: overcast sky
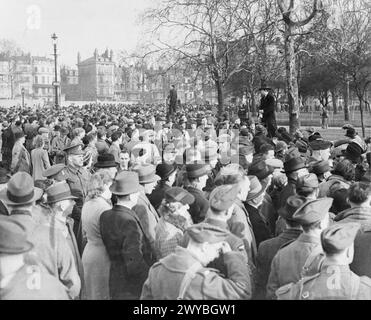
x,y
81,25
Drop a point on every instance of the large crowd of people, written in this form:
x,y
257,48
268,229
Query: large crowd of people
x,y
106,201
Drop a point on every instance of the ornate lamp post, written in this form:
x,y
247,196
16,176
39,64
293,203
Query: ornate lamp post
x,y
55,83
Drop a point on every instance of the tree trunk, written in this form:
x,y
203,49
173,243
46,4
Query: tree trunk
x,y
346,102
291,80
220,92
361,111
253,106
334,103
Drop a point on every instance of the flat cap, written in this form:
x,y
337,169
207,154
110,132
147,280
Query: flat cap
x,y
223,197
308,181
312,211
178,194
339,236
204,232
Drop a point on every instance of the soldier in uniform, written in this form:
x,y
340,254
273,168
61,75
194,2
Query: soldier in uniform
x,y
335,281
304,255
184,275
268,248
77,178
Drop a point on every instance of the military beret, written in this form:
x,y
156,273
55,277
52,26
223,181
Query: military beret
x,y
54,171
178,194
312,211
339,236
223,197
320,167
292,204
204,232
308,181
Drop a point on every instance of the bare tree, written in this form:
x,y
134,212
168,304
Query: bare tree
x,y
345,46
203,32
295,17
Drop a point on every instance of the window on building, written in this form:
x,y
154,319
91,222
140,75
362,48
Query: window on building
x,y
36,80
43,80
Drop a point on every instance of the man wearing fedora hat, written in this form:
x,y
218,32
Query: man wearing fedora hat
x,y
167,173
20,280
254,200
268,248
50,247
61,202
146,213
303,256
77,178
320,150
294,167
123,235
106,162
267,107
196,180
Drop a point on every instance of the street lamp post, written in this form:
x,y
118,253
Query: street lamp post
x,y
22,92
54,38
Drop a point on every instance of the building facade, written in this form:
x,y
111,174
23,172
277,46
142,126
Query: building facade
x,y
5,85
43,78
97,77
70,87
21,76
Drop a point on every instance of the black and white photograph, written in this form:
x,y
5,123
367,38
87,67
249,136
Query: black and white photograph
x,y
213,150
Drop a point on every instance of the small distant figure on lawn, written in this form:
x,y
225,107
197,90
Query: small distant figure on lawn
x,y
324,117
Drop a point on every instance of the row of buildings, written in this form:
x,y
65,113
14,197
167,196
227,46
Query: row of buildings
x,y
98,78
33,74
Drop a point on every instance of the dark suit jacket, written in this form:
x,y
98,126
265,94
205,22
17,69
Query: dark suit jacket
x,y
267,105
259,224
129,251
199,207
158,194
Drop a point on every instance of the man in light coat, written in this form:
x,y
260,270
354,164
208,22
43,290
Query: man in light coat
x,y
50,247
